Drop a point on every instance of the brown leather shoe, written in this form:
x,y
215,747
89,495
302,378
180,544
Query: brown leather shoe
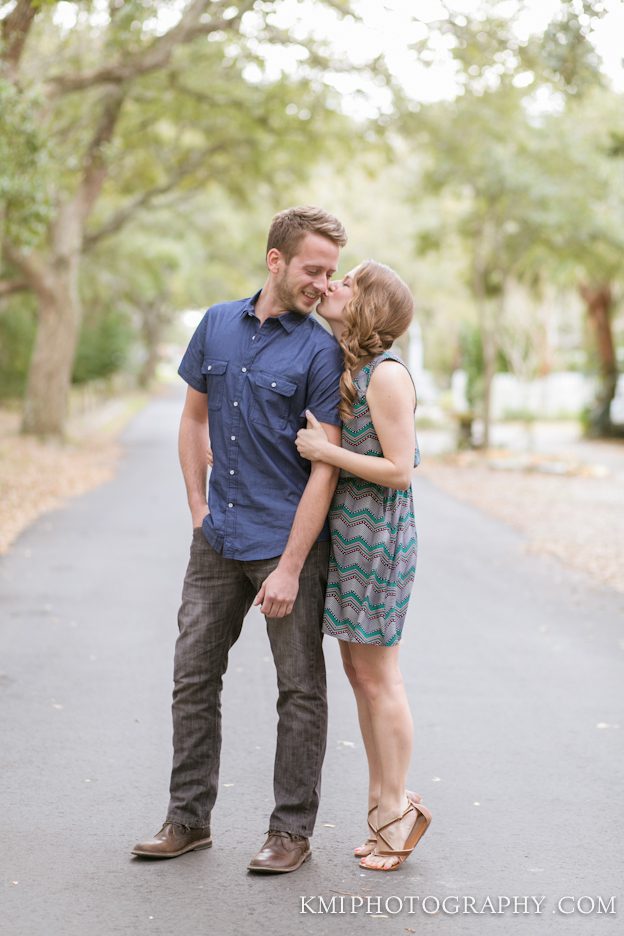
x,y
173,840
280,853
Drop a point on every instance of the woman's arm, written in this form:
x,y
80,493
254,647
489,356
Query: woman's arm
x,y
390,398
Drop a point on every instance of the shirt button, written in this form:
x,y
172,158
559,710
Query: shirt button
x,y
230,505
274,384
235,403
253,337
232,471
232,438
244,369
209,367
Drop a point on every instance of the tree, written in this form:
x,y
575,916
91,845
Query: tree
x,y
479,157
133,110
578,238
498,154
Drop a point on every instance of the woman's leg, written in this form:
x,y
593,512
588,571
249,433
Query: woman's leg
x,y
390,730
364,718
366,729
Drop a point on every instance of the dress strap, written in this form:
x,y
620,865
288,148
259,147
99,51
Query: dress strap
x,y
389,355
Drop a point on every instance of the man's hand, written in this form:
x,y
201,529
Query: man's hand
x,y
312,442
198,513
278,593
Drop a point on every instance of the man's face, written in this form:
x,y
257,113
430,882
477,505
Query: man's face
x,y
301,283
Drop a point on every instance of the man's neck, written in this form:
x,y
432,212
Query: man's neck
x,y
267,305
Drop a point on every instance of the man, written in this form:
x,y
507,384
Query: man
x,y
258,364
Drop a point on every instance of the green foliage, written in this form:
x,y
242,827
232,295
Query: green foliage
x,y
471,360
103,347
578,231
519,178
121,116
25,199
566,51
18,323
211,116
525,166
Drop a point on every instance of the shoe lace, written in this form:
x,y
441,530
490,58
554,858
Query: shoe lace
x,y
287,835
178,825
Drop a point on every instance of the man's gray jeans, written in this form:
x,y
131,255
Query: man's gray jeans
x,y
216,596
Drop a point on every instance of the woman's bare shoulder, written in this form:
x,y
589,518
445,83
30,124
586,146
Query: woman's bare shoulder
x,y
390,373
391,388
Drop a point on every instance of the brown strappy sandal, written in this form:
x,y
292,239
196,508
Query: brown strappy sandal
x,y
371,842
421,824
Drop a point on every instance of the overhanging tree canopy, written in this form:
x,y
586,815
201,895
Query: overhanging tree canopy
x,y
123,108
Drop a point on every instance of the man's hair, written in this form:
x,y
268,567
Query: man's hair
x,y
289,227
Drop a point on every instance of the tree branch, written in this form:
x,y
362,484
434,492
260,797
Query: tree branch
x,y
8,287
129,210
30,264
156,56
15,28
69,225
95,165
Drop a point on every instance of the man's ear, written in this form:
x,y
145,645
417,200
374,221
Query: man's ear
x,y
274,260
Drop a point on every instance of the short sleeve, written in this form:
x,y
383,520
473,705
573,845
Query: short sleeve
x,y
323,397
190,368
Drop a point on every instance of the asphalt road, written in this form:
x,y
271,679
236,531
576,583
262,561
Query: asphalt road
x,y
515,670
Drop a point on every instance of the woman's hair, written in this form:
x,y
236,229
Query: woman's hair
x,y
380,309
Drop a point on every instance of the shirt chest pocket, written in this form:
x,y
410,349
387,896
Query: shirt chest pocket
x,y
272,399
214,371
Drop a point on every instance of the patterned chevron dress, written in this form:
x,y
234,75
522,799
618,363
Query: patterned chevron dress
x,y
373,538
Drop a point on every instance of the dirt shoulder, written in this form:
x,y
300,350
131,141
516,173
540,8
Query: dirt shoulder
x,y
38,476
576,515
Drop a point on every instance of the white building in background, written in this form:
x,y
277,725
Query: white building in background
x,y
426,389
560,395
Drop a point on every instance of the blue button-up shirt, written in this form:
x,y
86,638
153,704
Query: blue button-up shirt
x,y
259,381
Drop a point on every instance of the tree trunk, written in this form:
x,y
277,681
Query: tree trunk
x,y
486,329
599,303
489,361
153,320
49,376
54,278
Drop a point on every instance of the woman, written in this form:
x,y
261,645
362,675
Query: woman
x,y
373,557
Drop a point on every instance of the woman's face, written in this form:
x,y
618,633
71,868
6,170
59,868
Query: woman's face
x,y
332,306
